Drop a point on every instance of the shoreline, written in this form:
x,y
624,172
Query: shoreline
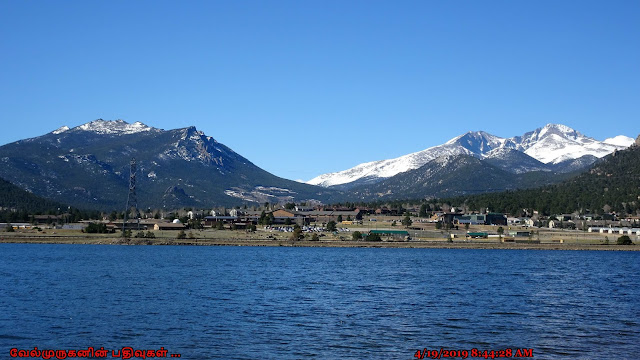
x,y
84,240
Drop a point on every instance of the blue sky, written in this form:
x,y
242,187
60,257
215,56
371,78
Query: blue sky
x,y
302,88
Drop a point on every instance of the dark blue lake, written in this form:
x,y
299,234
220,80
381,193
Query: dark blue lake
x,y
319,303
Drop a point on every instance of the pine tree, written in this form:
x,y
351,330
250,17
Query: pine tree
x,y
406,222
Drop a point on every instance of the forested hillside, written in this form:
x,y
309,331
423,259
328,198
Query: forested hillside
x,y
16,204
13,197
612,184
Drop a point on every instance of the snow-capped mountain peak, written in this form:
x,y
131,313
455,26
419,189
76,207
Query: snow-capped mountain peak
x,y
478,142
557,129
550,145
114,127
553,131
556,143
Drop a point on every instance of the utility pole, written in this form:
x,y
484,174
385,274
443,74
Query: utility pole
x,y
132,198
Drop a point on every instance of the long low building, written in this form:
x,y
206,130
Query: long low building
x,y
169,226
614,230
283,216
473,219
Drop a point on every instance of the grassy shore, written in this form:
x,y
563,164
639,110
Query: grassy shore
x,y
262,238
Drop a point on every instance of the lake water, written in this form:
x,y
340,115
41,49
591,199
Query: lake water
x,y
319,303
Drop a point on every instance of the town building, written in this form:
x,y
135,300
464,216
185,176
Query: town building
x,y
169,226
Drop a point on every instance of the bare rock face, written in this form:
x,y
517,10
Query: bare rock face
x,y
638,141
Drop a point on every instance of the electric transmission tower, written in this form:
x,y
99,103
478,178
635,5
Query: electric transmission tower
x,y
132,198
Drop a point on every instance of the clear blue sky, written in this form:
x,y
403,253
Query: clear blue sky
x,y
302,88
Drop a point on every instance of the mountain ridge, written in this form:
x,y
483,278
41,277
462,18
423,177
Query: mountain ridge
x,y
552,144
88,166
453,175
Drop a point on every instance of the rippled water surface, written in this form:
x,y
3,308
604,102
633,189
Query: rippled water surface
x,y
319,303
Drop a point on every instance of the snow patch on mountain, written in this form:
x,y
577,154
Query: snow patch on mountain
x,y
114,127
60,130
261,194
386,168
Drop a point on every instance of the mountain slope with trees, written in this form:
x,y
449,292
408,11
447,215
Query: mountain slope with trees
x,y
17,204
14,198
449,176
88,167
612,184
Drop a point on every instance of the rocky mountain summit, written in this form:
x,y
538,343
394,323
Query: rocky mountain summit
x,y
551,148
